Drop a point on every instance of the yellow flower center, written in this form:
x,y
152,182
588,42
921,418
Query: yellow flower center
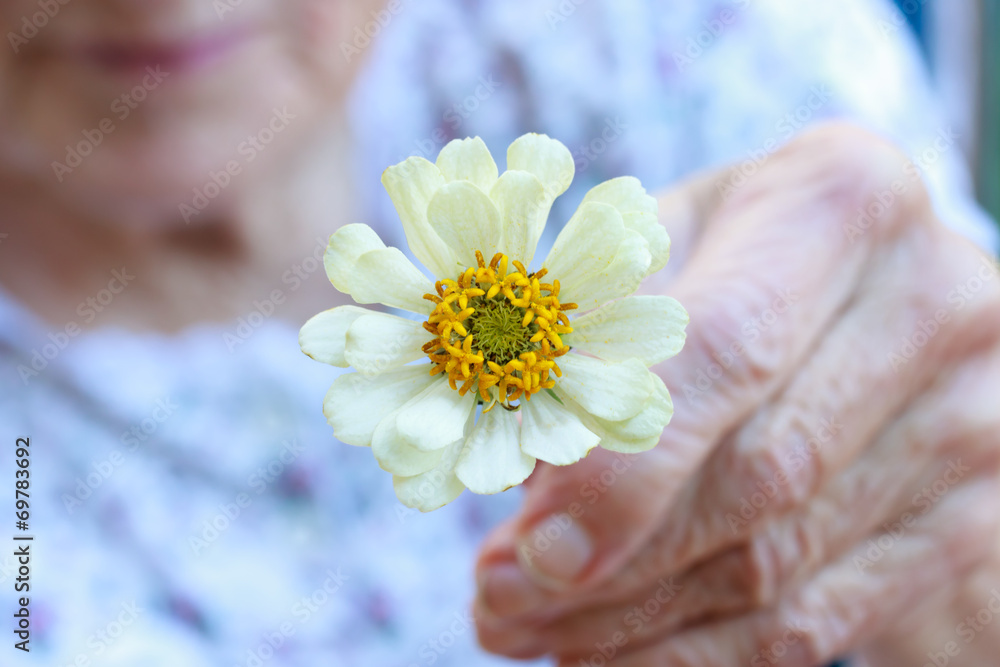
x,y
497,333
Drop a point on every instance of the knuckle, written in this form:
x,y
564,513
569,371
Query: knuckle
x,y
762,565
719,327
961,283
850,154
798,544
646,565
765,484
979,279
778,555
860,170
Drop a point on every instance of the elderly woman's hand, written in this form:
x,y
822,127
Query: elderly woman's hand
x,y
834,456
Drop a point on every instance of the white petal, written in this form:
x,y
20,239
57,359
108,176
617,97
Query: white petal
x,y
396,455
324,336
549,160
625,194
434,488
386,276
596,259
639,213
657,239
467,220
492,460
630,446
411,185
356,404
435,418
360,265
612,391
650,421
588,242
468,160
621,278
342,252
636,434
524,207
552,433
378,342
648,328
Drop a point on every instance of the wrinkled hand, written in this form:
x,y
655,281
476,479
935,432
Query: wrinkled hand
x,y
834,455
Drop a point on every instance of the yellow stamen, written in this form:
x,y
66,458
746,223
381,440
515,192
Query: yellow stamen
x,y
497,334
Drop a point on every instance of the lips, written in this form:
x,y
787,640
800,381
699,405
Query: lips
x,y
188,54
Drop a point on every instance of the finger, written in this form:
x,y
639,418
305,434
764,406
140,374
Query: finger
x,y
783,229
844,606
856,381
961,408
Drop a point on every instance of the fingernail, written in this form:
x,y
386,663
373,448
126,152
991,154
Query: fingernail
x,y
555,552
507,591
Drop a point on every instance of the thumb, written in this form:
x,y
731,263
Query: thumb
x,y
580,522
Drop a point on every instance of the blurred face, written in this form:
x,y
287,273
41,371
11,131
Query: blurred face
x,y
140,102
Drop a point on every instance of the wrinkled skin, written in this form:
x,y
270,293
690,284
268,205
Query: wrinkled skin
x,y
819,488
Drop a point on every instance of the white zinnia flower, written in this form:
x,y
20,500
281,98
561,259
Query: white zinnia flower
x,y
497,334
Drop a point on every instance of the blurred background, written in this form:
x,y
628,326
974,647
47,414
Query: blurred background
x,y
958,39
